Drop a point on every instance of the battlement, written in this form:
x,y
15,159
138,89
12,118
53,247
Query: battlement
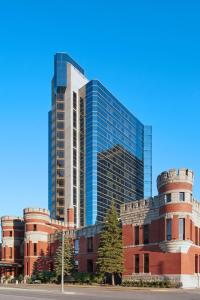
x,y
37,210
11,219
173,175
139,204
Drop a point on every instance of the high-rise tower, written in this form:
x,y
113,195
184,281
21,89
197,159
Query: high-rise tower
x,y
98,150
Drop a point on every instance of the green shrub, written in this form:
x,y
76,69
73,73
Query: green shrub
x,y
29,280
154,283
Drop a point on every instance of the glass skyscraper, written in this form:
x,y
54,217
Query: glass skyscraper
x,y
99,151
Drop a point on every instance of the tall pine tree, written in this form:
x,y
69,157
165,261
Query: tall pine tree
x,y
69,262
110,251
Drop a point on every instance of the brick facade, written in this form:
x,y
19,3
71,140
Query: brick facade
x,y
161,236
29,240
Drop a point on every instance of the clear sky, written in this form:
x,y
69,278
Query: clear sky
x,y
147,53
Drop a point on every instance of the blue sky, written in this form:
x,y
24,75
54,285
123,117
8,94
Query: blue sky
x,y
147,53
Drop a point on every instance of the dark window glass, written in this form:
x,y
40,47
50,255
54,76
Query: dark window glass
x,y
60,173
168,198
74,118
10,253
74,157
196,264
60,182
90,244
137,260
146,263
74,100
60,125
75,214
34,227
60,163
74,196
60,116
146,234
34,249
60,154
196,235
60,144
60,210
61,201
60,135
60,192
182,196
136,235
169,229
60,106
90,266
74,139
76,246
181,229
74,176
10,233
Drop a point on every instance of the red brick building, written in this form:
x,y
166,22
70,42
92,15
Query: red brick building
x,y
30,239
161,236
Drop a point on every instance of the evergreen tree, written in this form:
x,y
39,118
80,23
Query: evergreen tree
x,y
110,252
69,262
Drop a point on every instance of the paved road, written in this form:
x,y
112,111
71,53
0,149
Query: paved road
x,y
98,293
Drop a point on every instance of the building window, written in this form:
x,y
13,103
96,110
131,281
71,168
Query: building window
x,y
60,106
74,119
90,244
168,198
196,235
146,234
60,135
181,229
181,196
74,176
74,138
196,263
74,100
10,233
136,235
76,246
74,196
169,229
34,227
35,249
137,265
74,157
60,116
191,234
199,236
146,263
60,125
10,252
90,266
27,268
60,144
60,154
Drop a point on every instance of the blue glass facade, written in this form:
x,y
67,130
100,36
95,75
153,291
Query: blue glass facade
x,y
114,153
147,161
111,150
60,70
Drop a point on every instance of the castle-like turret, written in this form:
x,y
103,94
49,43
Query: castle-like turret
x,y
181,179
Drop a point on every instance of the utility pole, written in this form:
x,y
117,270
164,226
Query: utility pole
x,y
63,248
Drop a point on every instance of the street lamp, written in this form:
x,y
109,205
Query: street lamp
x,y
62,273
